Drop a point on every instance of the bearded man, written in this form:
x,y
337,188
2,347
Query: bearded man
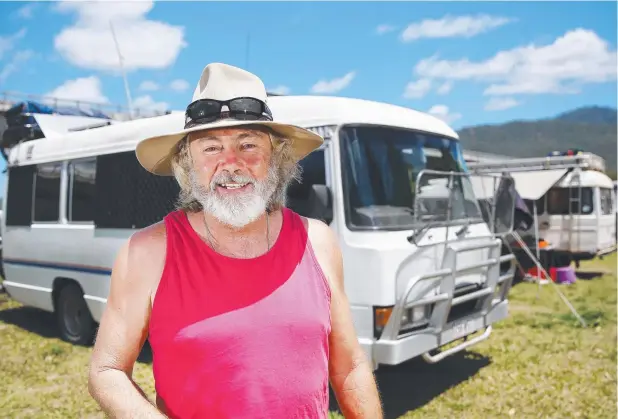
x,y
241,299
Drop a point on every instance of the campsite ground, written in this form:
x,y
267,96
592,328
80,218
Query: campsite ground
x,y
538,363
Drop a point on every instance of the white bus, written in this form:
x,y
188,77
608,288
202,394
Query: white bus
x,y
422,266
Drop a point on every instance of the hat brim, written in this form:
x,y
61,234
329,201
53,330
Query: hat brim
x,y
155,153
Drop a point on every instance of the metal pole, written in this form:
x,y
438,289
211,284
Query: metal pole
x,y
536,241
248,49
124,75
525,248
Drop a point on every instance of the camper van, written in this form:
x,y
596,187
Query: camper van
x,y
570,196
422,264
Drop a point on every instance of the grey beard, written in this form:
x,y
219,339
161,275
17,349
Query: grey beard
x,y
242,209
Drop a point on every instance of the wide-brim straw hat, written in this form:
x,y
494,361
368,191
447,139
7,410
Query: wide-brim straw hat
x,y
223,82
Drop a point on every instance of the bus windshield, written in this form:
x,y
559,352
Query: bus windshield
x,y
381,167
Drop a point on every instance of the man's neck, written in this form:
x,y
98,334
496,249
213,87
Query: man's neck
x,y
251,240
220,229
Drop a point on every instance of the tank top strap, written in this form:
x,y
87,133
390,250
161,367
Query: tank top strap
x,y
294,232
178,228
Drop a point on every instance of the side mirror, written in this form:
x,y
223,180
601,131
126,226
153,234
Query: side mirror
x,y
321,203
504,207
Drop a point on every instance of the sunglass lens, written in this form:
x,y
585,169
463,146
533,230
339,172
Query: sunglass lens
x,y
247,105
205,109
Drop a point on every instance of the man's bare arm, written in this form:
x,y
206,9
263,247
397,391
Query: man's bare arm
x,y
350,372
123,329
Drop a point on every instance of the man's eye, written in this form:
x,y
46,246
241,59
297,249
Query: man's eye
x,y
248,146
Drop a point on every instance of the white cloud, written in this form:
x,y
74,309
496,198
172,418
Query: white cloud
x,y
179,85
19,58
148,86
576,58
7,43
334,85
146,105
143,43
444,88
382,29
443,112
417,89
452,26
87,89
26,12
501,103
280,90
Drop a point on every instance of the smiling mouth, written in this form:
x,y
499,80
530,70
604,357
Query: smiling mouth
x,y
232,186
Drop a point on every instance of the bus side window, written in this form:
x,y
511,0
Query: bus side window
x,y
313,173
155,196
47,192
19,196
127,196
80,193
115,190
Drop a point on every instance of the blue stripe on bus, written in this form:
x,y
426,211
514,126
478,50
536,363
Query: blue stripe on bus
x,y
61,266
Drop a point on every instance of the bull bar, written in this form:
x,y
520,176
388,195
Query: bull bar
x,y
394,347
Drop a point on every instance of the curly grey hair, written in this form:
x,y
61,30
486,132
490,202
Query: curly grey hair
x,y
282,161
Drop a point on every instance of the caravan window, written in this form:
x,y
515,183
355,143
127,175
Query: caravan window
x,y
564,201
47,192
606,201
81,189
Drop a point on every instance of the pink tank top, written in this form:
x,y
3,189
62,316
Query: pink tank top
x,y
241,338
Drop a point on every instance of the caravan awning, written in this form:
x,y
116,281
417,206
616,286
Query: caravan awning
x,y
535,184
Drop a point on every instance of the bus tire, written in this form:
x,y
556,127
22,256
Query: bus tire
x,y
73,316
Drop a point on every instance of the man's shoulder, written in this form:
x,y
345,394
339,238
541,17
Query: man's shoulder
x,y
321,236
325,245
148,241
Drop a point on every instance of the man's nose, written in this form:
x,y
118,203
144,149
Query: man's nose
x,y
230,160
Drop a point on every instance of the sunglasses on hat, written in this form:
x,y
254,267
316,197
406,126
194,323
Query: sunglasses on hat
x,y
203,111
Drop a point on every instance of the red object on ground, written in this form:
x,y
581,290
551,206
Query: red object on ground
x,y
533,272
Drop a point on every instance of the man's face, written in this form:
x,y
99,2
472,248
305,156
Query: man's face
x,y
232,175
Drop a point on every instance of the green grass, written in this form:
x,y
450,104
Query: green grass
x,y
539,363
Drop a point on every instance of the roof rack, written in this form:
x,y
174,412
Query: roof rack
x,y
114,111
582,160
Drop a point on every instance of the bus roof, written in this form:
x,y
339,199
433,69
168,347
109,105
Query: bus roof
x,y
306,111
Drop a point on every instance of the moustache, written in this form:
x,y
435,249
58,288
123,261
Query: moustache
x,y
226,177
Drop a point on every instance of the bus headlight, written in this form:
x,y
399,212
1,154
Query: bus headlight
x,y
415,316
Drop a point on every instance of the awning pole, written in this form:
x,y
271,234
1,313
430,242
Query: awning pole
x,y
526,249
538,250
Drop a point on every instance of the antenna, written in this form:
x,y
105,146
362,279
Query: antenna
x,y
124,75
247,51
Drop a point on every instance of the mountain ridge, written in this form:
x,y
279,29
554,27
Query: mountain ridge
x,y
589,128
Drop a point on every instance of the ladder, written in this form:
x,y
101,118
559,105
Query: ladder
x,y
581,160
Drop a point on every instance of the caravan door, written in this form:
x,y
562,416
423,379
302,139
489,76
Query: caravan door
x,y
606,219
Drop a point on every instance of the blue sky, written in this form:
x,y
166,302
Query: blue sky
x,y
468,63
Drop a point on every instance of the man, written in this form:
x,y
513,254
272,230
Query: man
x,y
241,299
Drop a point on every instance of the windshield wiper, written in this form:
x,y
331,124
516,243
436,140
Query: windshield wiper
x,y
463,230
413,238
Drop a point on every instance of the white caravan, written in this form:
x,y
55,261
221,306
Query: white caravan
x,y
571,196
422,267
